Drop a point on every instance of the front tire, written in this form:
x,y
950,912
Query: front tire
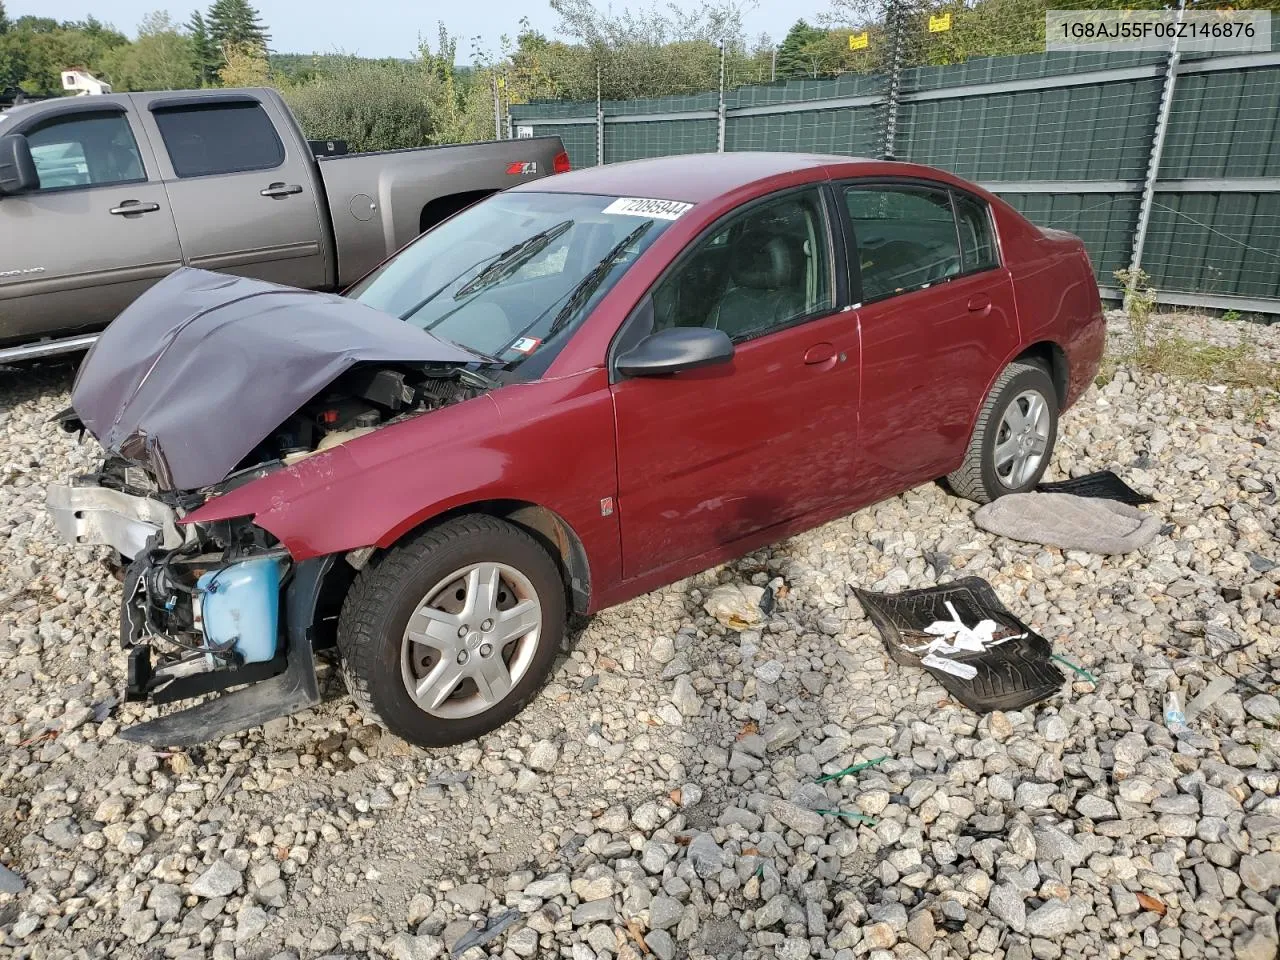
x,y
451,633
1013,438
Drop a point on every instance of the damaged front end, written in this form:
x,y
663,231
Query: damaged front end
x,y
208,383
205,608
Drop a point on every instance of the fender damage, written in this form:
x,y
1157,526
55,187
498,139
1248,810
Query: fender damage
x,y
204,384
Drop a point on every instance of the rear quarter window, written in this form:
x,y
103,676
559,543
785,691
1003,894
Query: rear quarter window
x,y
219,138
977,235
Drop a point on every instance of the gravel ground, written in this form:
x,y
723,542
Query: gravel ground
x,y
659,798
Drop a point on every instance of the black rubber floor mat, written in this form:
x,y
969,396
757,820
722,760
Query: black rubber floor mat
x,y
1103,485
1012,675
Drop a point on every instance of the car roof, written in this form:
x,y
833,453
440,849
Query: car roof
x,y
690,178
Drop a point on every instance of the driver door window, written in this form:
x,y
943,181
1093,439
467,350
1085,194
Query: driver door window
x,y
762,270
85,151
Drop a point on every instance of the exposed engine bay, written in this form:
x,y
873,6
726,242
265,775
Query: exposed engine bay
x,y
202,602
362,400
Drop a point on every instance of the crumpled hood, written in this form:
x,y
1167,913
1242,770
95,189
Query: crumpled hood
x,y
201,368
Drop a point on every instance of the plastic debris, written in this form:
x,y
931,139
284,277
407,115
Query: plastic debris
x,y
1174,716
1011,661
1154,904
103,709
737,605
952,636
965,671
492,928
1209,696
848,771
1078,669
860,817
10,882
1104,485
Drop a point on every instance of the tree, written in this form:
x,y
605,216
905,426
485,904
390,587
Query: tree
x,y
373,105
160,59
246,66
236,23
35,50
203,50
441,63
798,55
4,19
652,26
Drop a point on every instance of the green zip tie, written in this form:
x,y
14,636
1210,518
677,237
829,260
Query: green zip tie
x,y
1080,670
848,770
861,817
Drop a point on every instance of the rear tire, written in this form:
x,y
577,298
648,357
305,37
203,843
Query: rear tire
x,y
452,632
1014,436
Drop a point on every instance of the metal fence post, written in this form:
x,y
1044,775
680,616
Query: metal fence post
x,y
497,109
720,116
1153,161
599,120
895,26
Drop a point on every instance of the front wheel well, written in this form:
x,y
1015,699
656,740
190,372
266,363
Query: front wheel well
x,y
1054,360
544,525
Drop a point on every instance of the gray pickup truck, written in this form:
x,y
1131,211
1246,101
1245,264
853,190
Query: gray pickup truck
x,y
102,196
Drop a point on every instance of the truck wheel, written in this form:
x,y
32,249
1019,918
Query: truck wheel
x,y
1013,438
451,633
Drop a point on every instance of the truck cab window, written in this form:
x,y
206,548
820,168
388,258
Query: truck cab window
x,y
85,150
219,138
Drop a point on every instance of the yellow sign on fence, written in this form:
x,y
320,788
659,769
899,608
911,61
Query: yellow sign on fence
x,y
858,41
940,23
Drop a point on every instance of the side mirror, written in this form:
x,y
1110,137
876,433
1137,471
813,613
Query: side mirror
x,y
18,172
674,350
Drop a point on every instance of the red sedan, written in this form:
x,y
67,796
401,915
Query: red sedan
x,y
567,395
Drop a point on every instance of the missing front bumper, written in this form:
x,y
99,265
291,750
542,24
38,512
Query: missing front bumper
x,y
142,529
93,515
294,689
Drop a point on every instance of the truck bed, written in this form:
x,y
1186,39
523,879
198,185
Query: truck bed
x,y
374,198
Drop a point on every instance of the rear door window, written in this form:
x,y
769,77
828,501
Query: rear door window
x,y
203,140
906,237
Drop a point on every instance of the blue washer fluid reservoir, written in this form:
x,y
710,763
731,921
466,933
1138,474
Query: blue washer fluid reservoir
x,y
240,608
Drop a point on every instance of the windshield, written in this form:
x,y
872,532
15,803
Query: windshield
x,y
514,273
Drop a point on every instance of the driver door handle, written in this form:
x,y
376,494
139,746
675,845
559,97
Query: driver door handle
x,y
820,353
979,302
280,190
130,207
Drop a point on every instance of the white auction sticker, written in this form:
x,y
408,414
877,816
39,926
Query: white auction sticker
x,y
641,207
526,345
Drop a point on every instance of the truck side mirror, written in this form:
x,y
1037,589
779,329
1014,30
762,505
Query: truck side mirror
x,y
18,172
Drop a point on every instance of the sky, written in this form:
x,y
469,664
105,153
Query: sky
x,y
385,29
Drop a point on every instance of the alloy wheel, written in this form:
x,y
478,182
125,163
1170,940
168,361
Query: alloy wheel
x,y
471,640
1022,439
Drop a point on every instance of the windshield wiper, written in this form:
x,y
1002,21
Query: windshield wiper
x,y
512,259
493,261
591,282
582,292
445,286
